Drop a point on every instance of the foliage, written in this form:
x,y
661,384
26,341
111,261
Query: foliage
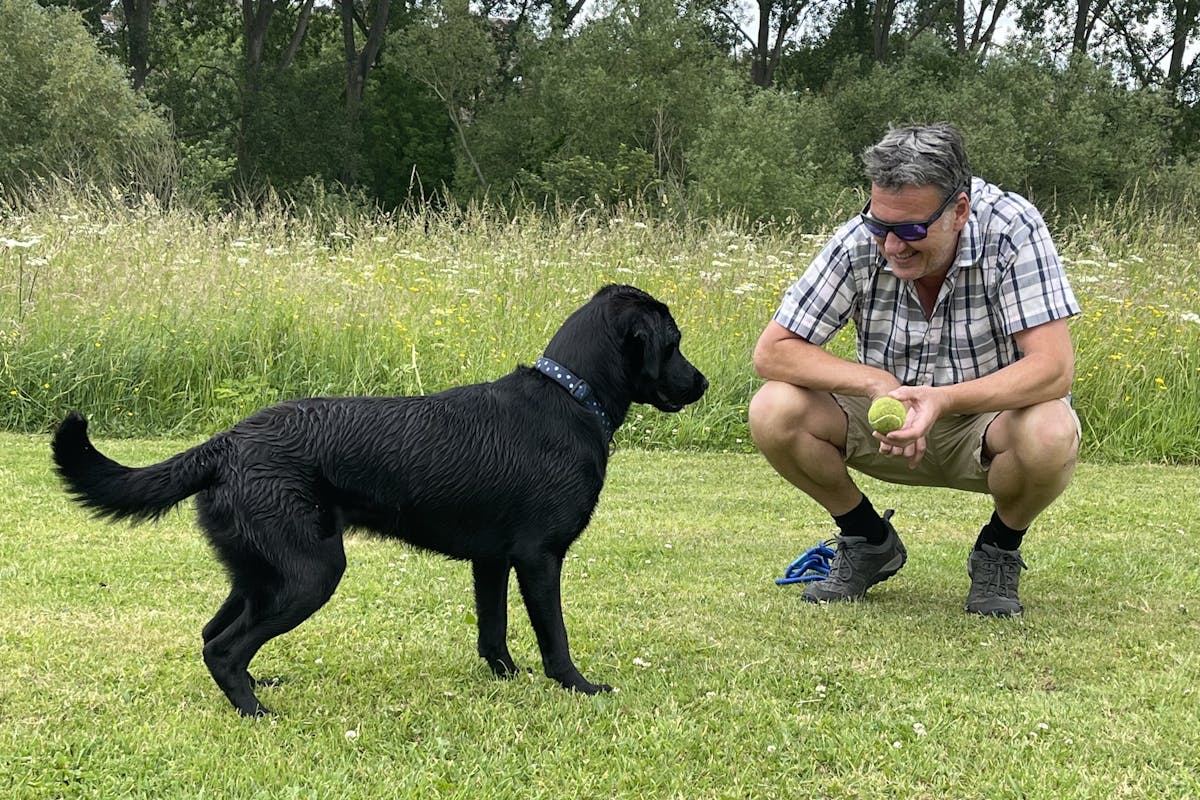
x,y
579,178
729,686
1065,138
627,86
409,141
65,109
639,103
454,55
770,156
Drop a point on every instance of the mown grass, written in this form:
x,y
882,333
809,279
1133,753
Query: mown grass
x,y
164,322
729,686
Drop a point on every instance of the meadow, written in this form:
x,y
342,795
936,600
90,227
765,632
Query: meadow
x,y
728,686
165,327
160,322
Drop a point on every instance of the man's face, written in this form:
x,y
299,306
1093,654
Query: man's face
x,y
932,256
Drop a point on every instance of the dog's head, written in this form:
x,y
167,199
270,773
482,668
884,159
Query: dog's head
x,y
659,374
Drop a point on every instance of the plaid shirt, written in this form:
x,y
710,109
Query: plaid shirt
x,y
1005,278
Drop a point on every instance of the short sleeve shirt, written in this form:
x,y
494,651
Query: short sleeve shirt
x,y
1005,278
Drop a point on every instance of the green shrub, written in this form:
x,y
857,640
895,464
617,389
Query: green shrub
x,y
66,109
769,155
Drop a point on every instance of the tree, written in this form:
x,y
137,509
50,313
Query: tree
x,y
776,21
1073,23
358,65
976,35
453,54
67,109
137,25
1165,34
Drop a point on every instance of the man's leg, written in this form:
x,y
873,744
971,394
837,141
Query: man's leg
x,y
1033,454
802,434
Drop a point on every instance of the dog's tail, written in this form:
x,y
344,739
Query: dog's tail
x,y
115,491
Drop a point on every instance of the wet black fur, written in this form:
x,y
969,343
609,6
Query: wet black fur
x,y
503,474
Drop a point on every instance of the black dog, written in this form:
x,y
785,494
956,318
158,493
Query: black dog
x,y
503,474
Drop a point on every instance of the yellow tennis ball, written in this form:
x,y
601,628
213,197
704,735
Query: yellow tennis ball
x,y
886,415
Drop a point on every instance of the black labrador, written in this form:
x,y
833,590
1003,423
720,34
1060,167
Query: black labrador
x,y
503,474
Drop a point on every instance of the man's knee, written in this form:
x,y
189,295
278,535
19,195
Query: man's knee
x,y
780,411
1044,433
770,407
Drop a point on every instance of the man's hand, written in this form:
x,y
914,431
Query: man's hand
x,y
925,407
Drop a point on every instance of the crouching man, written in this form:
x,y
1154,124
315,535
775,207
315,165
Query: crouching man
x,y
960,306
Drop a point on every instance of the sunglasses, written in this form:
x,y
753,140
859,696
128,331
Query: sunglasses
x,y
908,231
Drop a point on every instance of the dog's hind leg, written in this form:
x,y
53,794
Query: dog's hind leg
x,y
229,611
539,577
491,611
226,615
304,580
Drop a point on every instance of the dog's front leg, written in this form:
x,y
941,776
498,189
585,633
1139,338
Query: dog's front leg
x,y
491,612
539,578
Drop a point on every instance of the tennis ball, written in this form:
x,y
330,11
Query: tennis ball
x,y
886,415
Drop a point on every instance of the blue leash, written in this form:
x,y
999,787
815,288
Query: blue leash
x,y
812,565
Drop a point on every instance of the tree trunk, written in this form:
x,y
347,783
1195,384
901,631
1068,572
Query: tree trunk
x,y
882,19
358,66
297,36
137,28
1183,23
256,21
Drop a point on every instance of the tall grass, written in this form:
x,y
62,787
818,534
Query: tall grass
x,y
159,321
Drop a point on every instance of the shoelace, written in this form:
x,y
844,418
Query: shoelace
x,y
1001,573
842,569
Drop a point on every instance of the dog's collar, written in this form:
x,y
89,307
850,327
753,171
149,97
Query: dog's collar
x,y
578,388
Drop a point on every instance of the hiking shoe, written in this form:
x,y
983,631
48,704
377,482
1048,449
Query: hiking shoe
x,y
995,574
857,566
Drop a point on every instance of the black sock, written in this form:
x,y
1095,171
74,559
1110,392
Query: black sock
x,y
997,534
863,520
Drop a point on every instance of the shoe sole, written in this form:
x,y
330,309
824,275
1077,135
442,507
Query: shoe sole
x,y
995,612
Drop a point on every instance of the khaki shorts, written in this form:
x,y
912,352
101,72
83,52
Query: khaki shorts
x,y
953,449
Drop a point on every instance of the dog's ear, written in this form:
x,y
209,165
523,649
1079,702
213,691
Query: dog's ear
x,y
648,339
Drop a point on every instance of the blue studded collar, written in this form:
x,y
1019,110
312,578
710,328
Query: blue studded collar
x,y
578,388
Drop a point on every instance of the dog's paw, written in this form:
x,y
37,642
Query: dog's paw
x,y
598,688
584,686
502,666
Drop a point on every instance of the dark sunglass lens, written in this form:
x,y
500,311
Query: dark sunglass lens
x,y
911,233
874,227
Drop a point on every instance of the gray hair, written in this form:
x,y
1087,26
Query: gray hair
x,y
919,155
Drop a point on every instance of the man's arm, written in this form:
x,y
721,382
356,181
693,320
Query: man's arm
x,y
781,355
1044,372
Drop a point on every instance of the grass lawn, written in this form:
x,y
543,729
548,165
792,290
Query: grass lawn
x,y
729,686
